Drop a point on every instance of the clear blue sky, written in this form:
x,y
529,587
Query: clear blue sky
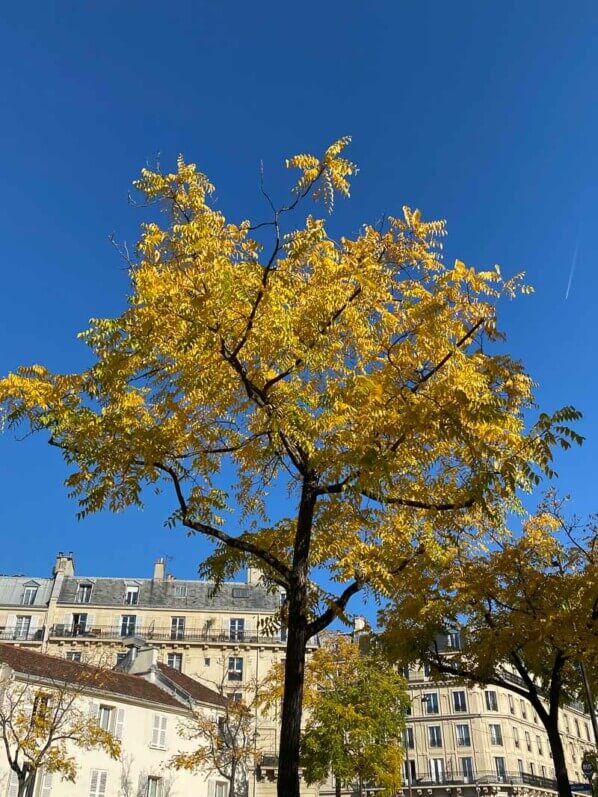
x,y
483,113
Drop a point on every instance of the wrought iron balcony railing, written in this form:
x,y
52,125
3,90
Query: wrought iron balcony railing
x,y
14,634
151,633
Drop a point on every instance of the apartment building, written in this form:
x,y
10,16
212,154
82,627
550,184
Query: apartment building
x,y
142,708
471,738
216,636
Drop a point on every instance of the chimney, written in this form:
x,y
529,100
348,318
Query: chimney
x,y
64,564
158,570
358,623
254,576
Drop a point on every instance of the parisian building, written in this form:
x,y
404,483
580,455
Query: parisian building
x,y
471,741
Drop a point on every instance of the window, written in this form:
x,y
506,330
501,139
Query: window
x,y
587,731
180,590
404,671
499,763
535,717
520,767
22,626
409,771
539,743
467,769
83,593
543,771
206,661
132,596
408,738
523,707
73,655
434,736
578,734
177,628
237,629
463,735
495,734
528,742
29,596
121,656
221,789
459,703
159,732
79,624
175,660
105,718
437,770
453,640
97,785
491,700
235,668
427,670
532,769
511,704
516,736
236,697
154,787
430,701
40,706
127,624
573,754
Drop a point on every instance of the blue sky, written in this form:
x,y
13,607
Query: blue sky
x,y
482,113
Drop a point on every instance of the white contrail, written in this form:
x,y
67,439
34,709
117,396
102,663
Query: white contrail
x,y
572,270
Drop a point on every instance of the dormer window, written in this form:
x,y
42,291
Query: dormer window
x,y
83,593
29,595
132,596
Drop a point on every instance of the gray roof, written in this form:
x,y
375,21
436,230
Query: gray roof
x,y
12,588
160,593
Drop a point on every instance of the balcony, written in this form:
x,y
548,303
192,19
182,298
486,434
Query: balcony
x,y
150,633
12,634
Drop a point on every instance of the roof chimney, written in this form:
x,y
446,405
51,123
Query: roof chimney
x,y
158,569
254,576
64,564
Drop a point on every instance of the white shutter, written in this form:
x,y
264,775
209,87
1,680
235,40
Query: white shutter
x,y
13,785
46,789
117,624
211,788
163,732
11,622
156,730
97,785
94,711
90,622
120,720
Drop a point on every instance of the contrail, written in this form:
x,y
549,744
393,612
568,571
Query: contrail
x,y
572,270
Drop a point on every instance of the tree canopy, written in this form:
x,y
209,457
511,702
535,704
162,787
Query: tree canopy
x,y
353,376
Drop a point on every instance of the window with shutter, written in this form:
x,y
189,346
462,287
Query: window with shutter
x,y
159,732
98,781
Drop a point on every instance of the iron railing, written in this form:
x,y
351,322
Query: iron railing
x,y
150,633
20,635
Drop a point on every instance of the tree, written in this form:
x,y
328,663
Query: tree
x,y
225,742
41,723
357,705
527,615
351,377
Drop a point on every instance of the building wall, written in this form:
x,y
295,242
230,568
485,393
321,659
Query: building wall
x,y
521,742
141,758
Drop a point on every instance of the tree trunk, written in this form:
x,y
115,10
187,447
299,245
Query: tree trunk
x,y
297,638
337,786
231,783
26,785
558,756
292,703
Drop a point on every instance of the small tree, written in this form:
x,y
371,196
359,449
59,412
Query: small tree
x,y
41,723
352,376
225,742
527,608
356,705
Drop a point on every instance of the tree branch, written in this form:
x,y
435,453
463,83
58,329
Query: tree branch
x,y
440,506
336,608
448,356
